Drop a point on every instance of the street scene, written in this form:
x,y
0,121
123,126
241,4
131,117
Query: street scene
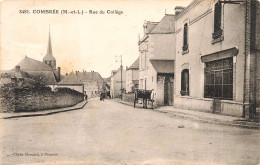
x,y
108,132
129,83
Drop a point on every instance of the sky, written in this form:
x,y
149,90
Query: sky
x,y
79,41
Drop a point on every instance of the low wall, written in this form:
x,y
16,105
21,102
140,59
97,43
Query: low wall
x,y
227,107
200,104
20,99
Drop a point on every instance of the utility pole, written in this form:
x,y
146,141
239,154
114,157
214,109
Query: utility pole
x,y
121,69
121,78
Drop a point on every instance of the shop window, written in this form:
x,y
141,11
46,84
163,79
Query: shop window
x,y
185,82
219,79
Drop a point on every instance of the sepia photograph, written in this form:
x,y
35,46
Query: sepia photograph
x,y
129,82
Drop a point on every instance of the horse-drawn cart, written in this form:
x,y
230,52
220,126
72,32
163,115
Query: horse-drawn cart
x,y
145,95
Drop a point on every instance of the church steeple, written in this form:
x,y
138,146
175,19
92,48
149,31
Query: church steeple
x,y
49,50
49,58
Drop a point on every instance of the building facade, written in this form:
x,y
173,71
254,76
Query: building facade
x,y
217,51
132,77
89,83
115,88
157,55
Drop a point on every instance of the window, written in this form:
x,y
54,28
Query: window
x,y
185,37
217,21
185,82
219,79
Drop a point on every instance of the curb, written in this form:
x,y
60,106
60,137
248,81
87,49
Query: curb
x,y
243,124
45,114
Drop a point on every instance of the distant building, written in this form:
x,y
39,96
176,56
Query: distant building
x,y
132,76
89,83
157,55
115,88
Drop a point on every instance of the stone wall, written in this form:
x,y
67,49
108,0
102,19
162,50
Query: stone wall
x,y
21,99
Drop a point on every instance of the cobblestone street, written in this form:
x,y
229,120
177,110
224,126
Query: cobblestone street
x,y
106,132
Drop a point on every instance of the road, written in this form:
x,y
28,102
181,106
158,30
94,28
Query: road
x,y
107,132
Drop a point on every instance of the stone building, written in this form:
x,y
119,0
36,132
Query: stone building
x,y
90,83
157,55
115,88
217,57
132,76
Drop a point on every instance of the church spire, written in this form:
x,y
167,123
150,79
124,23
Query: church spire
x,y
49,58
49,50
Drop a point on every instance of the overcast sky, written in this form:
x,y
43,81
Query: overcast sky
x,y
88,41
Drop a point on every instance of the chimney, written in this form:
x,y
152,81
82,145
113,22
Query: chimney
x,y
58,74
178,9
17,68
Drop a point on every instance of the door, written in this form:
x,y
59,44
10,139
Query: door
x,y
168,91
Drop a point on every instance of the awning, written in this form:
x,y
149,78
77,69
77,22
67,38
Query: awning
x,y
220,55
163,66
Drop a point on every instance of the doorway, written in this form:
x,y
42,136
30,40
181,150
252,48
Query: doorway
x,y
168,91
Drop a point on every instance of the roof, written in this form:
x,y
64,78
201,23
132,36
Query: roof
x,y
46,77
149,26
13,73
163,66
166,25
29,64
135,65
70,79
80,77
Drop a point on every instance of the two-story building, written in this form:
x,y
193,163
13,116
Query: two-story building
x,y
217,57
157,55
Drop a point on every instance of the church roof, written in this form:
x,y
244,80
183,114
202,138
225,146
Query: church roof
x,y
49,56
29,64
45,77
37,69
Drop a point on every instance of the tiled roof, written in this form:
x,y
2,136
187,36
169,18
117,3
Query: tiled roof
x,y
29,64
71,78
12,73
80,77
135,65
163,66
46,77
166,25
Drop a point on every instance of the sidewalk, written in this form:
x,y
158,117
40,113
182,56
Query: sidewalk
x,y
43,112
204,117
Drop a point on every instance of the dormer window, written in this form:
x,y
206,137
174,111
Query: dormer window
x,y
218,31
